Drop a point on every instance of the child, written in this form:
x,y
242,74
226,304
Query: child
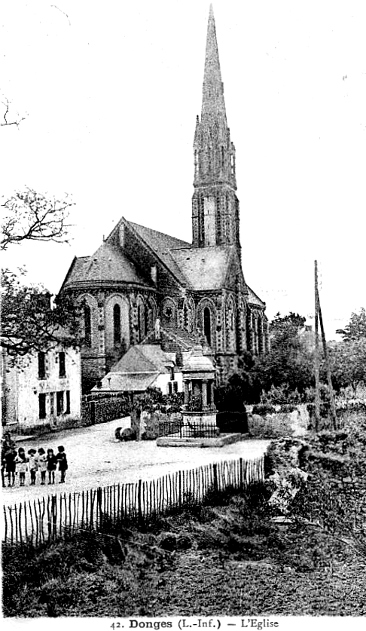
x,y
3,464
42,464
10,464
62,462
21,462
51,466
33,465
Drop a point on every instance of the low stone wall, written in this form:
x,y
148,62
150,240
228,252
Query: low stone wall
x,y
341,482
279,424
103,410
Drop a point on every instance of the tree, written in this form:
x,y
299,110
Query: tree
x,y
348,363
13,120
356,328
30,323
31,216
288,363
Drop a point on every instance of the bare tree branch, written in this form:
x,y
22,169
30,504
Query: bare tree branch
x,y
6,122
31,216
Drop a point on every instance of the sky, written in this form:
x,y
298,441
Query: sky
x,y
110,92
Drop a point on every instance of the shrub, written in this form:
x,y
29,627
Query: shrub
x,y
263,408
232,422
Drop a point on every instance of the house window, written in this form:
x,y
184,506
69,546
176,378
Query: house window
x,y
87,325
171,373
42,405
67,411
52,403
59,403
117,324
172,387
41,365
62,364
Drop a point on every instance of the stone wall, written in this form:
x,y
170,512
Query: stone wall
x,y
340,481
103,410
279,424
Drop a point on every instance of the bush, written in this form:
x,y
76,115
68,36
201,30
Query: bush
x,y
232,422
41,428
263,408
281,395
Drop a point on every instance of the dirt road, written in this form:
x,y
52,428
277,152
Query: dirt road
x,y
96,458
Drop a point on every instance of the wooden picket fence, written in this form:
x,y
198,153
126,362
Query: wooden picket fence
x,y
54,516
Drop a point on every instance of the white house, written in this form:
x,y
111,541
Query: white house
x,y
41,388
143,366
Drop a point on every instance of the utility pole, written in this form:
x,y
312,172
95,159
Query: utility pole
x,y
316,357
327,365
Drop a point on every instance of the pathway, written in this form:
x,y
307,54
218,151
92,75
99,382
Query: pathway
x,y
96,458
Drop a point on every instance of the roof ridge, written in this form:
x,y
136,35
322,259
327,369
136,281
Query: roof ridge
x,y
139,352
133,223
156,252
256,295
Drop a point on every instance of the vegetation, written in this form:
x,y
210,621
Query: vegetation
x,y
32,216
30,323
285,375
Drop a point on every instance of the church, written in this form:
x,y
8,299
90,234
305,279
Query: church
x,y
140,280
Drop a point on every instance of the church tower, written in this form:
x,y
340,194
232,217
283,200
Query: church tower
x,y
215,206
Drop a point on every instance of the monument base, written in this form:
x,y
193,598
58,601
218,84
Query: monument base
x,y
219,441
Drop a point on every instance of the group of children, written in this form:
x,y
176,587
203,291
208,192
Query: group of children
x,y
17,461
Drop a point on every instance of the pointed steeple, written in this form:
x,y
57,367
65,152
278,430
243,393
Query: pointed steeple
x,y
215,207
213,103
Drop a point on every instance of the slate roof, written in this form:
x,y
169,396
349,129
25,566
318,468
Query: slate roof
x,y
137,369
107,264
253,299
162,244
142,358
173,337
126,382
204,268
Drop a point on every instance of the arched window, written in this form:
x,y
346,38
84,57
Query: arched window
x,y
207,324
142,322
185,316
87,325
117,324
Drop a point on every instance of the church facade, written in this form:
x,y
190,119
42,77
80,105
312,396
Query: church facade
x,y
196,291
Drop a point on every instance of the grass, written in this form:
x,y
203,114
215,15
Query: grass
x,y
223,558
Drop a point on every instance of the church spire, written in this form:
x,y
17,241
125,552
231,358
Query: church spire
x,y
213,103
215,207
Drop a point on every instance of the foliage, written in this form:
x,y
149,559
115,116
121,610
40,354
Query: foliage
x,y
263,408
195,403
250,564
153,399
281,395
29,323
32,216
288,363
348,363
232,422
356,328
241,386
